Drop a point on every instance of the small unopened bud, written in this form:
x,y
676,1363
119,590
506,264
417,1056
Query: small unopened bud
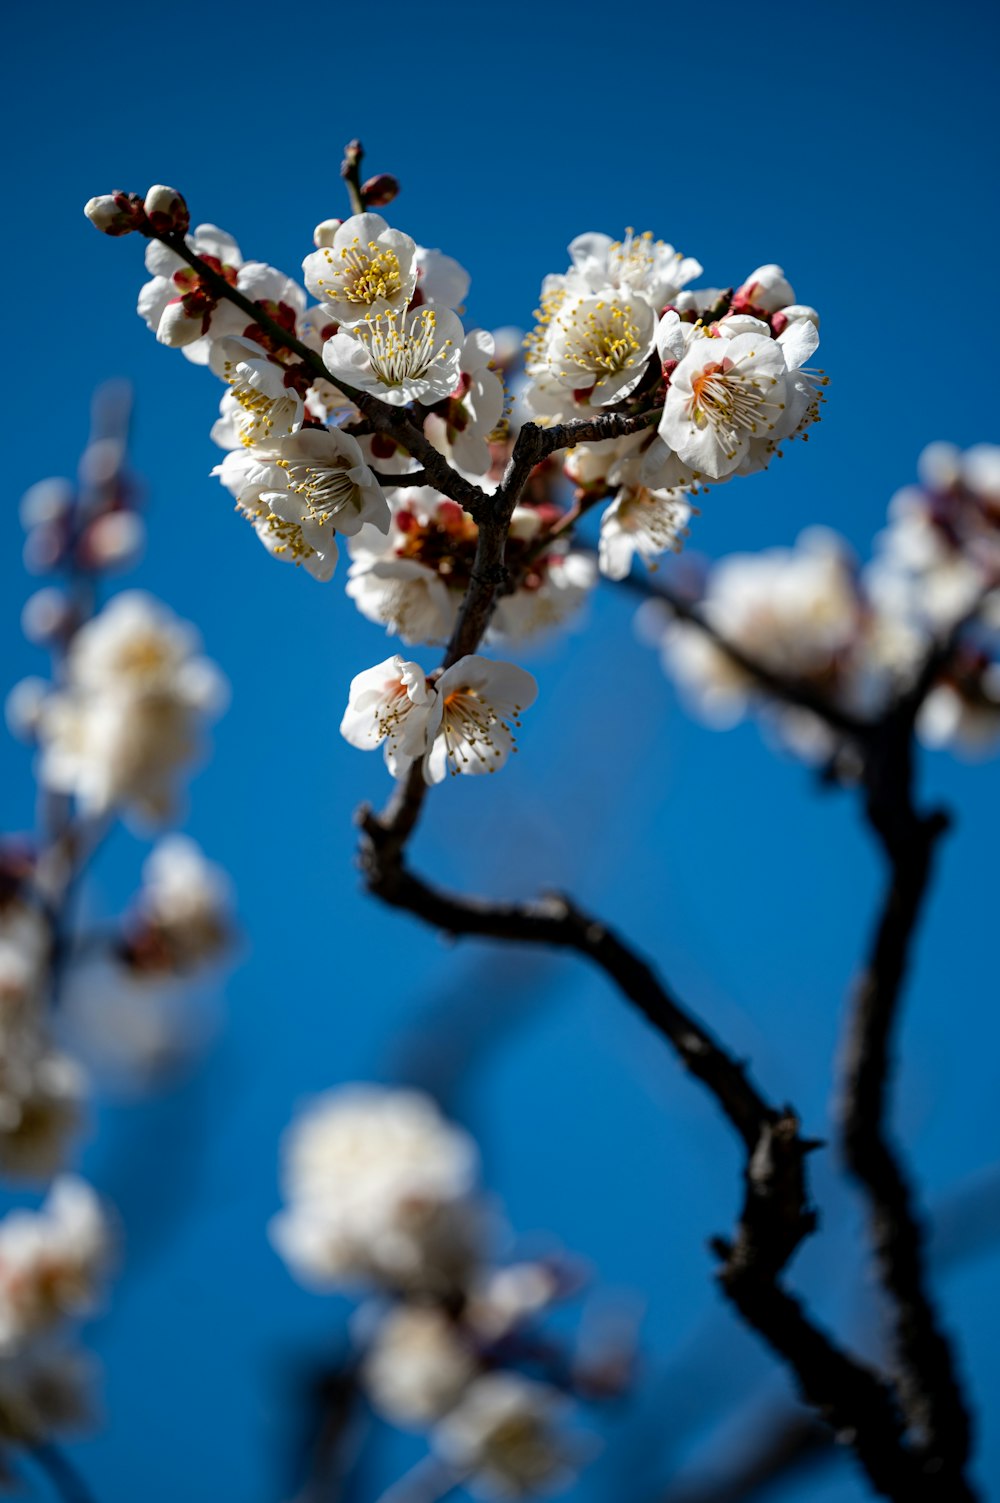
x,y
47,616
46,502
323,233
116,213
353,152
177,327
166,210
24,707
112,541
379,191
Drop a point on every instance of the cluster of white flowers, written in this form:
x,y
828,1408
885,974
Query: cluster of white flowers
x,y
125,720
53,1265
854,637
459,722
382,1195
727,368
620,330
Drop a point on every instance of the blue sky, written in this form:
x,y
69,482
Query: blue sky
x,y
856,148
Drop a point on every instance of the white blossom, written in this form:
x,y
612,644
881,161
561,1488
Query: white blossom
x,y
389,704
476,703
644,522
637,264
441,281
591,348
401,357
303,491
473,410
267,407
181,312
367,269
724,392
127,719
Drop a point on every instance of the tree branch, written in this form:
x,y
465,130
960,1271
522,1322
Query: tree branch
x,y
929,1386
775,1215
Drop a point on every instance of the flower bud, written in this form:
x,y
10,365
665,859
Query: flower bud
x,y
177,327
766,288
112,541
47,616
353,152
379,191
24,707
47,502
166,210
116,213
323,233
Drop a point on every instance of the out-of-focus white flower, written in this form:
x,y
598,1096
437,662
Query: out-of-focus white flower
x,y
52,1262
366,269
25,944
417,1366
389,703
556,585
644,522
637,264
476,703
400,357
186,901
136,693
504,1440
41,1095
378,1190
962,713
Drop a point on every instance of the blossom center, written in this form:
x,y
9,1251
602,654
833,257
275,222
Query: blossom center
x,y
366,274
397,353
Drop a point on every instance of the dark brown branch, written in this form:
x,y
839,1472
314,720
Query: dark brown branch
x,y
929,1386
776,1214
394,422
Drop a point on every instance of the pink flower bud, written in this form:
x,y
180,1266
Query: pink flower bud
x,y
116,213
166,210
112,541
379,191
323,233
